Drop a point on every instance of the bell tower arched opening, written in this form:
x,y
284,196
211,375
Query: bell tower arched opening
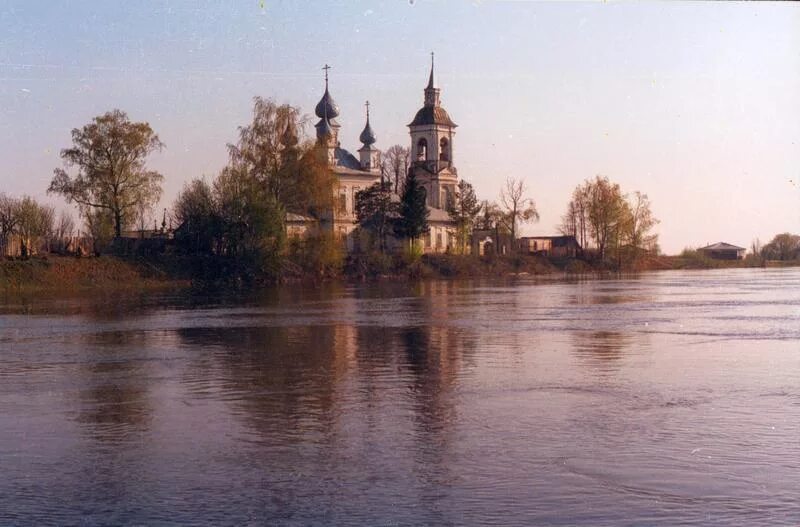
x,y
422,149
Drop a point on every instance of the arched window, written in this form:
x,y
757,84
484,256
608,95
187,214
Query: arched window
x,y
444,149
422,149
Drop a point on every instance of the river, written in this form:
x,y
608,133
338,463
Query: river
x,y
668,398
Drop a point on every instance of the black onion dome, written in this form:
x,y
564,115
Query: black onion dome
x,y
367,136
432,115
324,129
327,106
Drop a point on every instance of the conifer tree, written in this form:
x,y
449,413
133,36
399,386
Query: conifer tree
x,y
413,220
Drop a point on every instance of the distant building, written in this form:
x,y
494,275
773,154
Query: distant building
x,y
723,251
556,246
431,132
487,242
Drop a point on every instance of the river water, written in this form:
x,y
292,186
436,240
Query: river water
x,y
669,398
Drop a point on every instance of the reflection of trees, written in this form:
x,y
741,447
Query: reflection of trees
x,y
115,402
284,377
602,349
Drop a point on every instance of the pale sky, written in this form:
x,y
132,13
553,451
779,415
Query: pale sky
x,y
695,104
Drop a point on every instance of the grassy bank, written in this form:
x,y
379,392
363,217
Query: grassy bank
x,y
55,274
68,274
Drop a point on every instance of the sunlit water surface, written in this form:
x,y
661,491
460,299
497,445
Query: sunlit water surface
x,y
664,399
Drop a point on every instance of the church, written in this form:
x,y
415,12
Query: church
x,y
431,150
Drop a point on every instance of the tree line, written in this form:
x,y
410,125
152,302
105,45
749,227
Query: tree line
x,y
274,171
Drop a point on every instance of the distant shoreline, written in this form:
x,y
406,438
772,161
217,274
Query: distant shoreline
x,y
62,274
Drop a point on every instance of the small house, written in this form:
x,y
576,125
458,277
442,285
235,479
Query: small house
x,y
723,251
555,246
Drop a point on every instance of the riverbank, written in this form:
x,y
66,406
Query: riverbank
x,y
69,274
54,274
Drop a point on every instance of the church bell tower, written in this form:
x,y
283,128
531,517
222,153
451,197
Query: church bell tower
x,y
432,133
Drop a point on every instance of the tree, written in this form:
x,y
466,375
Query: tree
x,y
638,223
463,210
64,226
375,211
575,220
516,207
252,222
413,220
269,150
9,208
34,221
197,217
110,154
606,212
785,246
395,163
599,214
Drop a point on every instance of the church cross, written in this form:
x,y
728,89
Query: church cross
x,y
367,105
326,68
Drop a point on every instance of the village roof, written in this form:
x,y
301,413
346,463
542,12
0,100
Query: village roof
x,y
721,246
346,159
292,217
438,215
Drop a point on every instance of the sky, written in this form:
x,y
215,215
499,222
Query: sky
x,y
696,105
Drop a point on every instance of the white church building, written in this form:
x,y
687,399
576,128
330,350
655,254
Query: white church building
x,y
431,132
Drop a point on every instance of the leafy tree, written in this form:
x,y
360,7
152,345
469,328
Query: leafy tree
x,y
413,220
516,207
110,154
638,223
785,246
375,211
252,227
100,227
464,210
197,217
599,214
33,221
294,175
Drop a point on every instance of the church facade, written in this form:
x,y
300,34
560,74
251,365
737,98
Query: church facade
x,y
431,133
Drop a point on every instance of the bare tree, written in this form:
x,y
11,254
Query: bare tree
x,y
9,208
396,162
516,207
575,221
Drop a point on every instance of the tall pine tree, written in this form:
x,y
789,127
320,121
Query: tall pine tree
x,y
413,220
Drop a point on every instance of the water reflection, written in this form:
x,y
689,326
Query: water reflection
x,y
414,404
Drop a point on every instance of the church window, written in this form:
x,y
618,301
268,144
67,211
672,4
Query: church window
x,y
355,191
439,243
343,201
422,149
444,150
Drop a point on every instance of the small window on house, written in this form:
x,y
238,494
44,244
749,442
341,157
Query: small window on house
x,y
428,240
439,243
342,202
422,149
355,191
444,150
